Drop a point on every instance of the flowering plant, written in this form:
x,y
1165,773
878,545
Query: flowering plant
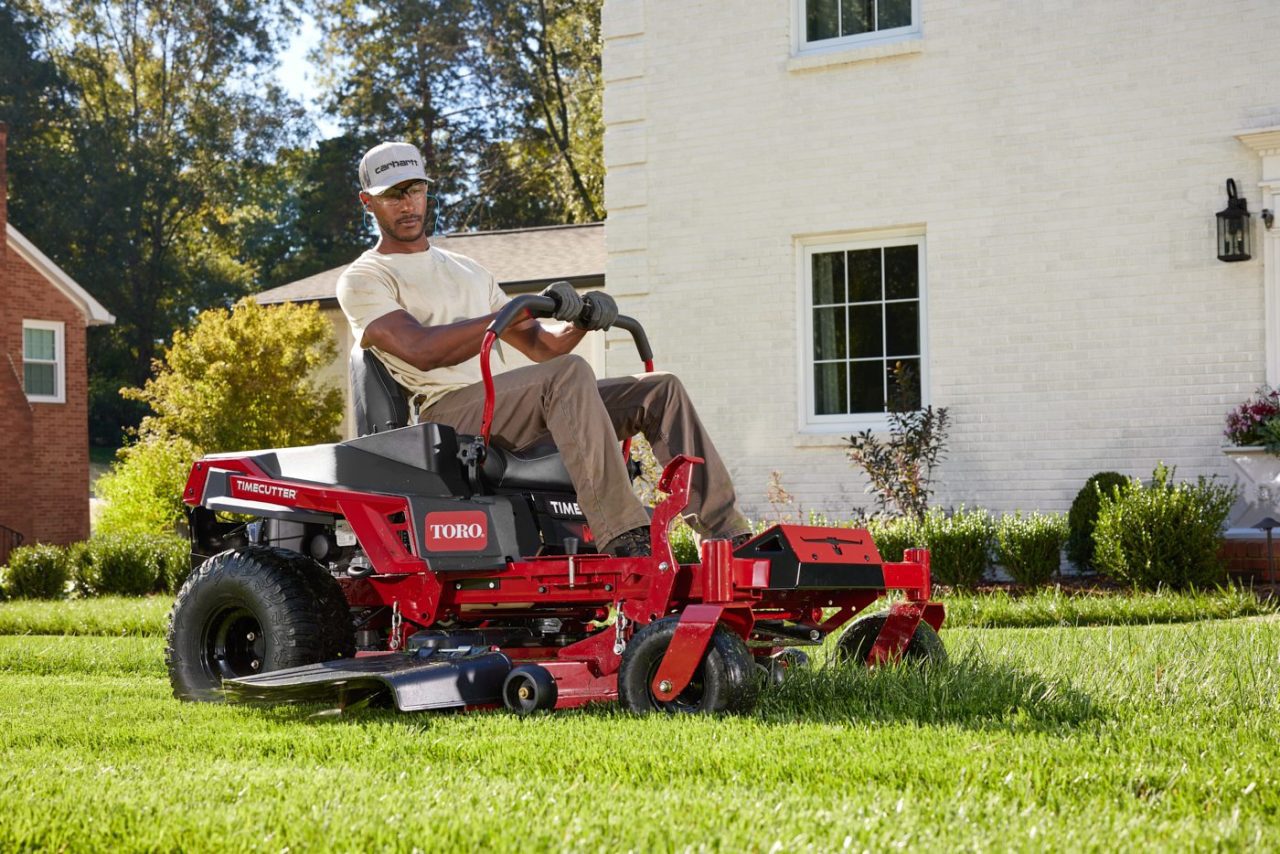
x,y
1256,421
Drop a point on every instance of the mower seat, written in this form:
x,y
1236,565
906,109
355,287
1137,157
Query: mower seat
x,y
380,405
538,469
378,400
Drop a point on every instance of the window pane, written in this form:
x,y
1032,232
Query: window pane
x,y
857,16
39,379
829,340
828,278
905,395
864,275
902,329
821,20
38,344
901,272
865,331
867,381
894,13
831,389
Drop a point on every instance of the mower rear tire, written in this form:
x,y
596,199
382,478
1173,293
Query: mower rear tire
x,y
727,679
856,641
250,611
529,688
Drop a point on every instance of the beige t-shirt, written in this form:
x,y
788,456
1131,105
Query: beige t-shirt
x,y
437,288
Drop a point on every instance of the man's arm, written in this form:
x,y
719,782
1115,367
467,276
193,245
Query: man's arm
x,y
431,347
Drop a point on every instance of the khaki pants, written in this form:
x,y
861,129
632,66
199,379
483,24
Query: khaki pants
x,y
586,419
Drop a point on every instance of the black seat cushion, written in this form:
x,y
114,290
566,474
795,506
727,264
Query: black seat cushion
x,y
538,468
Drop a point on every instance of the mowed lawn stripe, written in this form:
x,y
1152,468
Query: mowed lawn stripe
x,y
1124,738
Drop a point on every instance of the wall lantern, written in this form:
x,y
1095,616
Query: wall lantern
x,y
1234,238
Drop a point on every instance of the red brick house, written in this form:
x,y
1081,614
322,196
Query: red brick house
x,y
44,409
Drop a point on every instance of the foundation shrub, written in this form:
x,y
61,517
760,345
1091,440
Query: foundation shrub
x,y
36,572
1084,515
959,545
1030,547
1165,534
134,564
893,535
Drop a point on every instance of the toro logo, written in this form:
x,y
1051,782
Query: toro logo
x,y
457,531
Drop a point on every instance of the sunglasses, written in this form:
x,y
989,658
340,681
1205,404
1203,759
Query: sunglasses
x,y
413,192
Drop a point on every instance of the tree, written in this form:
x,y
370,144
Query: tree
x,y
239,379
503,98
405,70
153,156
245,378
543,60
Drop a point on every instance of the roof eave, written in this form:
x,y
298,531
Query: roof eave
x,y
94,312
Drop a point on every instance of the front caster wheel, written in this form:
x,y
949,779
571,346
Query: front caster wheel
x,y
529,688
856,641
725,680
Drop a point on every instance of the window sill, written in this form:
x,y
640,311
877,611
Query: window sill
x,y
849,54
31,399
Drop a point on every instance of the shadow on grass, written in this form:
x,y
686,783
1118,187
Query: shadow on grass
x,y
968,692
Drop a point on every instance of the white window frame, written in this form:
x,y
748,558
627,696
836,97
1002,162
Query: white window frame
x,y
59,367
801,46
806,248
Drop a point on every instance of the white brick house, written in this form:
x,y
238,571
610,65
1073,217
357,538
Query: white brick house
x,y
1040,181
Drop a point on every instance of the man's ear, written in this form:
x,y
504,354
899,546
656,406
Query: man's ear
x,y
365,198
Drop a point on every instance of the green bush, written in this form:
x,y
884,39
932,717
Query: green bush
x,y
1084,515
893,535
143,490
959,545
684,543
1164,535
1030,547
37,572
133,564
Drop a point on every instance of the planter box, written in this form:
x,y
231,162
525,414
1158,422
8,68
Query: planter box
x,y
1258,473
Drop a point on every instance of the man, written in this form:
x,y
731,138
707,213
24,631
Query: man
x,y
423,312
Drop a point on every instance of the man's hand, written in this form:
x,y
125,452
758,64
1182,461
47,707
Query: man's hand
x,y
599,311
568,303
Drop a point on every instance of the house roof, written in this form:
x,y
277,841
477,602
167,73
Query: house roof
x,y
524,259
94,313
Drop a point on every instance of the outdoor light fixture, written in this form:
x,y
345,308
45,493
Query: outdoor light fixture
x,y
1268,218
1234,239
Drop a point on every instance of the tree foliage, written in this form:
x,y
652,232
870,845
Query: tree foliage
x,y
246,378
137,183
503,98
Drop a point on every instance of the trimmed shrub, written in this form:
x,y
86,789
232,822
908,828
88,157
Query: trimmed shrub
x,y
959,545
1164,535
1084,515
133,564
893,535
1030,547
37,572
143,490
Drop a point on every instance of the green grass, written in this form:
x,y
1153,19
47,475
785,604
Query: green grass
x,y
148,616
1055,606
1121,737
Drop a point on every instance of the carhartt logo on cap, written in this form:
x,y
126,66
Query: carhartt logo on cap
x,y
388,164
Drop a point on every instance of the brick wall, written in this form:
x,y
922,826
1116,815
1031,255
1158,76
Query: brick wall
x,y
44,455
1064,163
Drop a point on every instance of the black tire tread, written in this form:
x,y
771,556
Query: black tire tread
x,y
306,629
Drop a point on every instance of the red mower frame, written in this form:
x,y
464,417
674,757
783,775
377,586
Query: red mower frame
x,y
790,585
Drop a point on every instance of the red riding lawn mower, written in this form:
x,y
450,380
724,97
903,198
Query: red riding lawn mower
x,y
439,571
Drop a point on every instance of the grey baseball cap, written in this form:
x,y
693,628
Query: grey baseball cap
x,y
388,164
